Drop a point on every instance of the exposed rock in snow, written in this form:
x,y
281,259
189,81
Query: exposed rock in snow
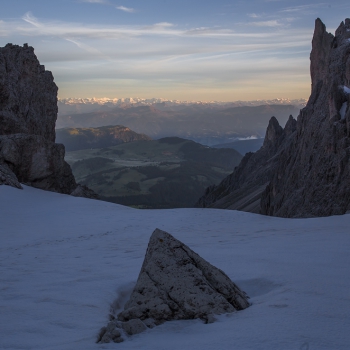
x,y
28,113
175,283
37,162
84,191
7,177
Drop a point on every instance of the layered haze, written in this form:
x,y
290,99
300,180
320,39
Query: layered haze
x,y
207,123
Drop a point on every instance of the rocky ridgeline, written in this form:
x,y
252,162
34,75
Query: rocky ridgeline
x,y
174,283
303,170
243,188
28,113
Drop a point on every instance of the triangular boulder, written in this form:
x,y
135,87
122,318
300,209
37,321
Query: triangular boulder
x,y
175,283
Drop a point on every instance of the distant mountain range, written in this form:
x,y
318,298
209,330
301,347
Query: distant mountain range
x,y
205,123
73,105
243,146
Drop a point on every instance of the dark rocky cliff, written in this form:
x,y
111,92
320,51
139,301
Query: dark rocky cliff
x,y
243,188
28,113
313,174
306,170
28,94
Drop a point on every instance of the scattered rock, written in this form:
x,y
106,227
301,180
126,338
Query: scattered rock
x,y
209,319
175,283
84,191
134,326
7,177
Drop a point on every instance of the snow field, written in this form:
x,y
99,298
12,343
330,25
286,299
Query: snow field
x,y
64,260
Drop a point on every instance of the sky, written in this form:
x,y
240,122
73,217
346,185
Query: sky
x,y
187,50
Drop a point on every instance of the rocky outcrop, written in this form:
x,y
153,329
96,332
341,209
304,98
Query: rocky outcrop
x,y
307,168
28,112
7,177
313,173
243,188
174,283
37,162
28,94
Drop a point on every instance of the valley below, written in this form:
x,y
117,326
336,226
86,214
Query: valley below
x,y
165,173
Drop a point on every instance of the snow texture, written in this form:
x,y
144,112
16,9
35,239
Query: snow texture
x,y
343,110
65,261
345,88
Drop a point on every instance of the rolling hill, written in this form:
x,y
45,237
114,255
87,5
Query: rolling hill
x,y
83,138
166,173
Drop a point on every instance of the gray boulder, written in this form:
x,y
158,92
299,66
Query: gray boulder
x,y
175,283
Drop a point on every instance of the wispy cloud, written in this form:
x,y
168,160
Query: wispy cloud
x,y
253,15
208,31
96,1
146,51
84,46
303,8
270,23
161,27
63,30
125,9
29,18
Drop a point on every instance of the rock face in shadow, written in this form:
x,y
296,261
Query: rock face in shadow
x,y
174,283
37,162
28,94
305,170
313,173
28,113
7,177
243,188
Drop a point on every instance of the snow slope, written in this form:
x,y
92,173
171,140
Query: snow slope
x,y
64,260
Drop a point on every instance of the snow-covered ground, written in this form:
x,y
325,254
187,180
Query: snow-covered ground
x,y
64,260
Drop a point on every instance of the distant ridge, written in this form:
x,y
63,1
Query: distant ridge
x,y
202,123
82,138
82,105
243,146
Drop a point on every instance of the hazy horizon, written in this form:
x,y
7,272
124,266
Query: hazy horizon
x,y
198,51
